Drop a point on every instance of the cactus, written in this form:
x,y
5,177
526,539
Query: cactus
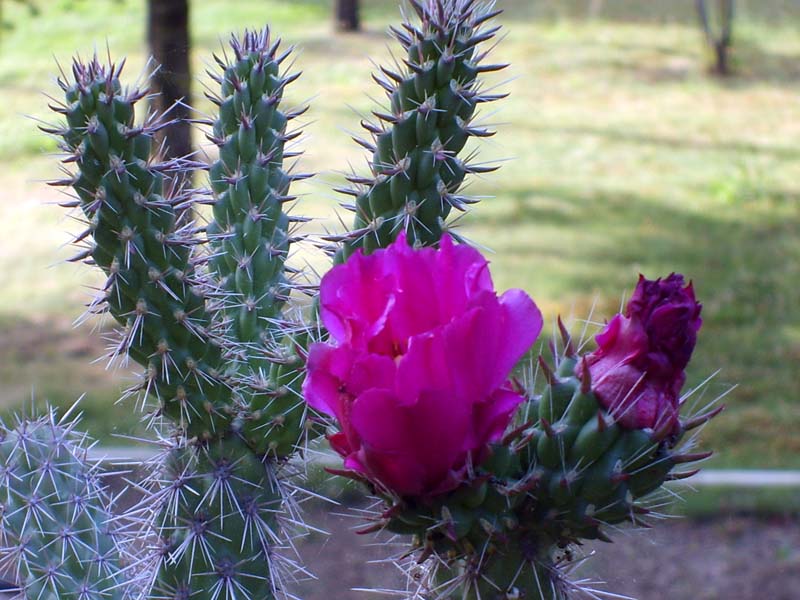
x,y
145,251
207,312
416,173
222,353
250,238
571,472
217,509
576,468
59,537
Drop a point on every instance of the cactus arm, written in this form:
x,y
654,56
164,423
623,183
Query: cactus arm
x,y
216,537
571,473
59,540
135,237
416,171
251,234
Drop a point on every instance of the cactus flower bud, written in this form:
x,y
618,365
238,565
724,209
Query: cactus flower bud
x,y
637,370
417,371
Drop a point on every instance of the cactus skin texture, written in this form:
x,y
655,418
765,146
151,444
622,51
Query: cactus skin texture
x,y
250,238
59,541
568,475
416,173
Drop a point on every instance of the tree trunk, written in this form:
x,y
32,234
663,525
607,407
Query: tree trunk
x,y
720,44
721,63
168,37
347,17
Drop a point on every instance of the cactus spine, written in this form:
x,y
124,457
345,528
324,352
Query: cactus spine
x,y
59,539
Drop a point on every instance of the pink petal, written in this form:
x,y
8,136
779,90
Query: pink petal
x,y
522,323
426,366
491,418
327,368
355,298
372,371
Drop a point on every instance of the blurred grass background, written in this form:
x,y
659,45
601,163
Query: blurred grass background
x,y
620,155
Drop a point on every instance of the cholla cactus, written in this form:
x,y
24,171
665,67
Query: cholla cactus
x,y
222,354
416,173
59,537
417,369
422,392
417,375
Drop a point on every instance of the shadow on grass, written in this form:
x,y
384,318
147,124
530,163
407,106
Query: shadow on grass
x,y
768,12
753,64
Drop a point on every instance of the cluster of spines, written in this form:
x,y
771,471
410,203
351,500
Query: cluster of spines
x,y
250,238
134,234
59,538
590,471
213,516
416,173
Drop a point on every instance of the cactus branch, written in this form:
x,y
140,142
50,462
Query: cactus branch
x,y
416,173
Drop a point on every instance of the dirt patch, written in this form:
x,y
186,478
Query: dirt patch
x,y
30,340
726,558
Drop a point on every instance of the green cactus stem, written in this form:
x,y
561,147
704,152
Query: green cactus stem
x,y
250,238
592,472
416,172
217,510
250,235
568,475
59,539
134,235
231,392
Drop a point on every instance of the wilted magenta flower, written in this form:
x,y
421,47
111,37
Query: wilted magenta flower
x,y
637,370
418,367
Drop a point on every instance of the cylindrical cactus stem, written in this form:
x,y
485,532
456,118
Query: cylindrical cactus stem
x,y
59,539
251,234
416,172
134,237
609,432
510,568
221,521
216,508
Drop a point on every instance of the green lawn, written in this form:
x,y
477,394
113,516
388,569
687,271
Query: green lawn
x,y
625,157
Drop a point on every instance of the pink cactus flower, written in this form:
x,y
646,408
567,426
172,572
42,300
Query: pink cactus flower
x,y
637,371
417,369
